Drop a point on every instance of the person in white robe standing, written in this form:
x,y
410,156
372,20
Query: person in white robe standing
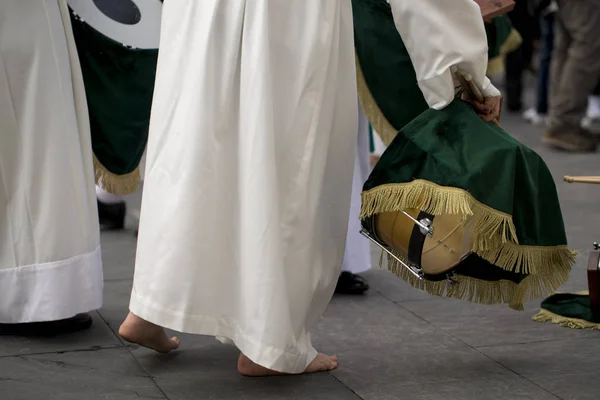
x,y
357,256
249,166
50,262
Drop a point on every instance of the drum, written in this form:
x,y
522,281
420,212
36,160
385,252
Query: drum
x,y
117,42
430,246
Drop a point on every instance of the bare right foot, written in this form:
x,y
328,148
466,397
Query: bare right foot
x,y
321,363
139,331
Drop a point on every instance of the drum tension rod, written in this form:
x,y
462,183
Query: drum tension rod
x,y
424,224
416,271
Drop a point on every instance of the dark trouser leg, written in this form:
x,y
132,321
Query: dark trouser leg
x,y
543,73
580,72
518,60
575,71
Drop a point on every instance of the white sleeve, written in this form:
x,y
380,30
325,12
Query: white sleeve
x,y
438,35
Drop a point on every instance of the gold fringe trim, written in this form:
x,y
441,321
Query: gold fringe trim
x,y
378,121
437,200
495,236
573,323
512,42
113,183
495,66
487,292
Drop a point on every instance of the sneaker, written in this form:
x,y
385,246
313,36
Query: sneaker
x,y
577,141
532,116
591,124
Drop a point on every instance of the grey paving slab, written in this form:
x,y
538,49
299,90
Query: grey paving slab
x,y
567,368
118,255
394,354
481,325
116,302
99,375
206,369
97,337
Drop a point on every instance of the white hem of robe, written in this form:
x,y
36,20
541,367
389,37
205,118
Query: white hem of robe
x,y
51,291
227,332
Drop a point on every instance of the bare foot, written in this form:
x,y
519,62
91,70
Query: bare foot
x,y
320,364
139,331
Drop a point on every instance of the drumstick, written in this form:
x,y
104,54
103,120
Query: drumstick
x,y
582,179
470,88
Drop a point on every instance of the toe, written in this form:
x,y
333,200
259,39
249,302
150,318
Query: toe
x,y
175,342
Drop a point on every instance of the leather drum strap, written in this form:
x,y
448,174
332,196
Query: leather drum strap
x,y
417,240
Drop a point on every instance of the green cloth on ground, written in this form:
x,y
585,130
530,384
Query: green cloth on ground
x,y
569,310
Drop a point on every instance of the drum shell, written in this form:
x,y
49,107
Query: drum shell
x,y
450,243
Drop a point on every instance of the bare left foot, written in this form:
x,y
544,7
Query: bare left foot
x,y
321,363
139,331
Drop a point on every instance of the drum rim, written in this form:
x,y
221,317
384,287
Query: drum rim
x,y
86,11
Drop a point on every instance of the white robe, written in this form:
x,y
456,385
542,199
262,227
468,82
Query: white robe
x,y
50,264
357,256
249,166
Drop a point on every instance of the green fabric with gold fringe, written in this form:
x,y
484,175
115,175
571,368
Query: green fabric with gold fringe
x,y
502,39
119,84
570,310
459,165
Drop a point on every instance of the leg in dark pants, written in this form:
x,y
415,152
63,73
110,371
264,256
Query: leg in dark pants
x,y
518,60
575,73
543,73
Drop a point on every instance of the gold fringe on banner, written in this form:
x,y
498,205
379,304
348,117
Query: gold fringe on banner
x,y
512,42
487,292
113,183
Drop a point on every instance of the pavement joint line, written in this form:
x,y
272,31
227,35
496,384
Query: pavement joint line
x,y
488,346
128,348
519,375
346,386
474,348
88,350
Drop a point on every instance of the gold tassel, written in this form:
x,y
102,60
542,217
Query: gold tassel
x,y
566,322
113,183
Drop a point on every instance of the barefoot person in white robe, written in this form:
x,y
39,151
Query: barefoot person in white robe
x,y
50,263
249,166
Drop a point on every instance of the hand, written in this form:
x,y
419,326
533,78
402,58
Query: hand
x,y
489,110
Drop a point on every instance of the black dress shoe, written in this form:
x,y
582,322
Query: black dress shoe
x,y
349,283
77,323
112,216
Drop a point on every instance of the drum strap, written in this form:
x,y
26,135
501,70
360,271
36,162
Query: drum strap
x,y
417,240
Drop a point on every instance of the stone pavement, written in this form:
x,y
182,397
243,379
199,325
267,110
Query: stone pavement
x,y
393,343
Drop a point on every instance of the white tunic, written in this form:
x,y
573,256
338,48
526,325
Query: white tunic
x,y
50,265
249,169
357,256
